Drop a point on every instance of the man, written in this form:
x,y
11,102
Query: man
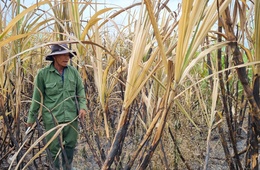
x,y
59,93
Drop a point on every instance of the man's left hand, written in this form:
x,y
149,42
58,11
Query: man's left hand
x,y
82,114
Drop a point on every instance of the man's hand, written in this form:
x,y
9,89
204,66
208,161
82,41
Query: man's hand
x,y
82,114
29,124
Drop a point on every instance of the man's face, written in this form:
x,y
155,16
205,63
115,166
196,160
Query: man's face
x,y
62,59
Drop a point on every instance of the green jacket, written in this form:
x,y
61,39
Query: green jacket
x,y
56,94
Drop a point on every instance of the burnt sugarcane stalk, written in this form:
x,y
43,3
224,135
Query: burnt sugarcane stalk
x,y
254,114
242,75
98,161
15,142
118,139
166,105
178,150
226,112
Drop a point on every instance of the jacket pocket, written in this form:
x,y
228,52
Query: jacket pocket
x,y
72,87
51,89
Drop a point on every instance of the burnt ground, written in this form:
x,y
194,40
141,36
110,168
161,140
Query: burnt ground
x,y
191,143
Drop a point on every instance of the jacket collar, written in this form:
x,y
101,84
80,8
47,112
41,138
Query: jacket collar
x,y
52,68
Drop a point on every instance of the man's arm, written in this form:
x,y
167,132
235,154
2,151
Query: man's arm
x,y
36,99
81,96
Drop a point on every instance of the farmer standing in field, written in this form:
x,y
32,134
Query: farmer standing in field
x,y
59,89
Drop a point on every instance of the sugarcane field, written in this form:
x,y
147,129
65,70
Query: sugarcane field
x,y
129,84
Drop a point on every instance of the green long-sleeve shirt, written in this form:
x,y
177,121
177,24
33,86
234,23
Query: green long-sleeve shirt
x,y
56,93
